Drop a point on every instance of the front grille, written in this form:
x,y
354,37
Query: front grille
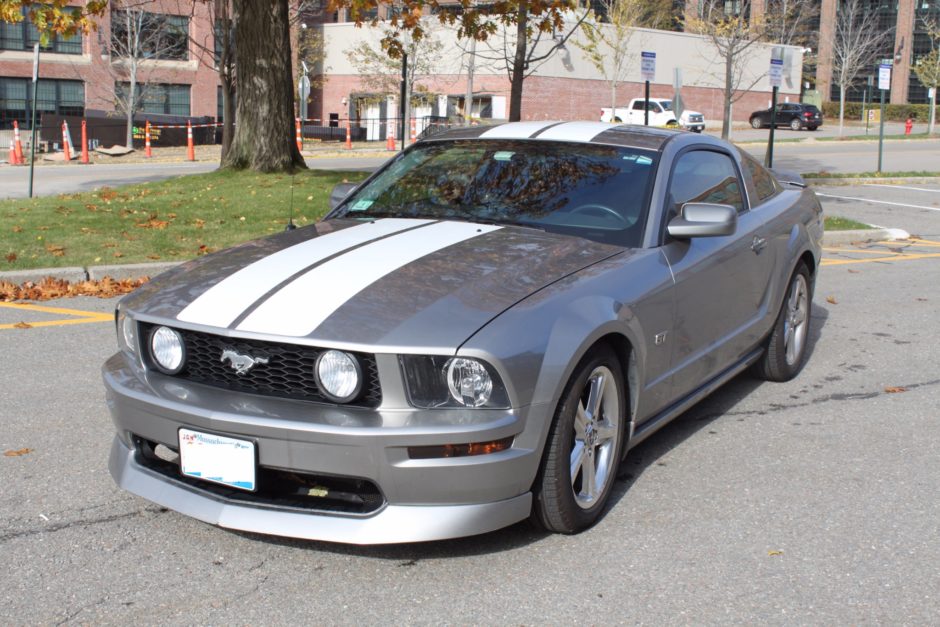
x,y
288,373
277,489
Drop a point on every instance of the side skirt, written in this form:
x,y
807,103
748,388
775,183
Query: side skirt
x,y
654,424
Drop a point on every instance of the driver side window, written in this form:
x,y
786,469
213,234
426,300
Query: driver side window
x,y
704,176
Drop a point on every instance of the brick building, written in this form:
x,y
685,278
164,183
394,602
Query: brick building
x,y
80,75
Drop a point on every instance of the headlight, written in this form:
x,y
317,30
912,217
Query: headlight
x,y
167,350
438,381
127,332
339,376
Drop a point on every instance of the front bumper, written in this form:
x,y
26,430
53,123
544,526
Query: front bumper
x,y
420,499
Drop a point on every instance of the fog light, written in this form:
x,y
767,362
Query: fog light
x,y
339,376
166,347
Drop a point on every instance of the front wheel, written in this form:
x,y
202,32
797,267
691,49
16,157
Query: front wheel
x,y
755,122
795,124
583,448
785,352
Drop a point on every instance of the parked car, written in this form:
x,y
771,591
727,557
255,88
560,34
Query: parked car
x,y
791,114
475,335
661,113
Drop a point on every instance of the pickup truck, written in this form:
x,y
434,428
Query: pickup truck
x,y
661,114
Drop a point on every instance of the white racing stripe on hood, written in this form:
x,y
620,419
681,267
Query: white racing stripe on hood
x,y
515,130
221,304
302,305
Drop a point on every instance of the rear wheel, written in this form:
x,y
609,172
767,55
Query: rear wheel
x,y
755,122
795,124
812,128
785,352
583,448
617,119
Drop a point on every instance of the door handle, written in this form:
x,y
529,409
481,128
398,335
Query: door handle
x,y
758,244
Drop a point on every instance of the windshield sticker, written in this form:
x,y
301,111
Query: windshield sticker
x,y
503,155
361,205
644,161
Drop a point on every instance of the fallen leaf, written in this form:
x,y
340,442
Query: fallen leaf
x,y
832,300
17,452
851,271
774,553
22,325
922,300
895,389
153,256
118,254
11,257
17,229
55,251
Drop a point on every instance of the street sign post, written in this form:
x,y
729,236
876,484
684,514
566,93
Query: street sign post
x,y
884,84
648,72
776,75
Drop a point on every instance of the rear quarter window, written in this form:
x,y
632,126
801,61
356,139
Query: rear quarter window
x,y
764,183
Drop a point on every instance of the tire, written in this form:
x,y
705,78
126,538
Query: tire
x,y
697,130
785,352
592,439
618,120
795,124
811,128
756,123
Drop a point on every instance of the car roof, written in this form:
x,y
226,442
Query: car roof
x,y
645,137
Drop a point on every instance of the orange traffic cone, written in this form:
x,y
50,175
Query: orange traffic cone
x,y
190,150
298,135
66,142
84,142
17,144
414,134
12,158
390,135
147,151
348,136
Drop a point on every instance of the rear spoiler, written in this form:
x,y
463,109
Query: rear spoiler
x,y
788,177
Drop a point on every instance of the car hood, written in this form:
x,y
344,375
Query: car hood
x,y
397,283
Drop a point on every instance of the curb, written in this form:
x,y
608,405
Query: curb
x,y
897,180
841,238
94,273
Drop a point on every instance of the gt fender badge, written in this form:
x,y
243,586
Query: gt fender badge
x,y
241,364
660,339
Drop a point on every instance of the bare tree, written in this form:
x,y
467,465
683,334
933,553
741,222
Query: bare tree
x,y
521,47
607,34
857,42
137,38
787,22
731,35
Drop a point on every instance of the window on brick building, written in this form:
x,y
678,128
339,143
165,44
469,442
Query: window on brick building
x,y
160,98
53,96
24,35
146,35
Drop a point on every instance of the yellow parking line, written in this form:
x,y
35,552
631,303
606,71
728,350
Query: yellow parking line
x,y
81,317
842,262
859,251
924,242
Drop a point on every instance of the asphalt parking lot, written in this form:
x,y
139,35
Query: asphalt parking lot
x,y
813,501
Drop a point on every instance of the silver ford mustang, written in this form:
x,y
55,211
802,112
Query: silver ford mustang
x,y
474,336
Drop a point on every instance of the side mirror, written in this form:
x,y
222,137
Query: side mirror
x,y
702,219
340,191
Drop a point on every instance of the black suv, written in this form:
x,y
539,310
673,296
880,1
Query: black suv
x,y
791,114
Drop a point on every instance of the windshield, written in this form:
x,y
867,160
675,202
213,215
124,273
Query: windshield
x,y
593,191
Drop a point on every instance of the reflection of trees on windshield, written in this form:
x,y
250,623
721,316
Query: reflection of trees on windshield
x,y
505,180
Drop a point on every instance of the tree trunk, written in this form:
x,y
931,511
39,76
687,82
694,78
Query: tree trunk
x,y
226,74
841,107
131,100
933,110
726,115
518,63
264,136
228,114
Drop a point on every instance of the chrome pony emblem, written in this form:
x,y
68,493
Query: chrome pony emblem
x,y
241,364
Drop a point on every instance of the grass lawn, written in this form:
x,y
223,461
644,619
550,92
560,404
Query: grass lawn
x,y
873,136
835,223
170,220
